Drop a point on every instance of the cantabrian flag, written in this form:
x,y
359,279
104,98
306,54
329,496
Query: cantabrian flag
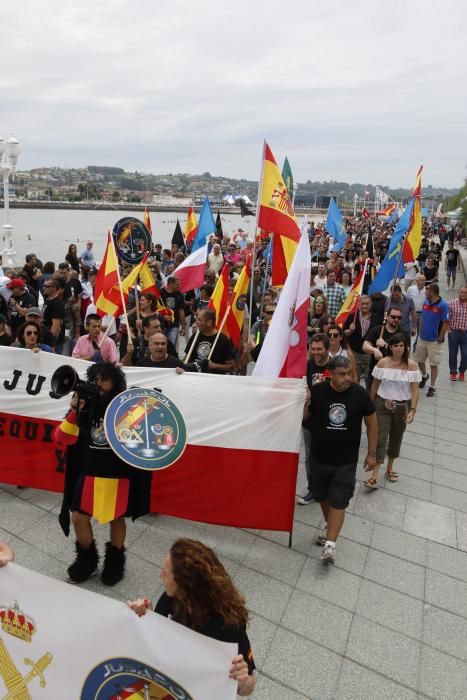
x,y
147,220
350,305
234,324
276,215
389,210
220,297
413,238
191,228
107,278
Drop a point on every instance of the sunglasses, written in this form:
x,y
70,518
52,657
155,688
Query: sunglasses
x,y
32,333
334,335
48,286
268,313
395,318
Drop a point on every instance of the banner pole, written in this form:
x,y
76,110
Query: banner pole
x,y
253,260
188,355
138,314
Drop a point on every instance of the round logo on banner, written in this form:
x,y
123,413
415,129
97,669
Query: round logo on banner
x,y
132,239
127,678
145,429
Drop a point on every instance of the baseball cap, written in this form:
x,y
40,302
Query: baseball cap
x,y
34,311
16,282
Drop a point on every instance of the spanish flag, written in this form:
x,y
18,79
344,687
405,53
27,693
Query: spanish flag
x,y
146,278
191,228
413,238
389,210
234,324
147,220
106,280
350,305
106,499
220,297
127,284
276,215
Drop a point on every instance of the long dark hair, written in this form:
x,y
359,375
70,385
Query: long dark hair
x,y
343,339
107,370
204,587
395,339
22,328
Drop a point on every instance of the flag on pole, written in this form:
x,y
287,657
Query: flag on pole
x,y
220,233
147,282
413,239
245,210
177,238
370,246
191,227
191,271
388,270
335,226
234,324
288,177
220,297
284,349
351,303
127,285
147,220
276,215
389,210
106,280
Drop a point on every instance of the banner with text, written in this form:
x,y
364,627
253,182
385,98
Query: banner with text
x,y
43,657
242,439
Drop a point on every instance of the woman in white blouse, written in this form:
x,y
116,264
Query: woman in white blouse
x,y
395,393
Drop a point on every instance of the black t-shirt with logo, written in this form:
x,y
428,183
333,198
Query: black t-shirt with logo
x,y
316,373
451,257
72,289
55,308
372,337
173,301
223,351
169,361
335,422
25,301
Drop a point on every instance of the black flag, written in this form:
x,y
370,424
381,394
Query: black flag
x,y
220,233
244,210
370,246
178,237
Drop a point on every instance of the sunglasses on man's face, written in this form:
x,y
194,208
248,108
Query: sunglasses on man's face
x,y
32,333
268,313
395,318
334,335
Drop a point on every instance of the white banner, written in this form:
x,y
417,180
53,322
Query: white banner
x,y
59,642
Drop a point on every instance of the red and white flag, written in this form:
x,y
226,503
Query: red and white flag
x,y
284,350
191,271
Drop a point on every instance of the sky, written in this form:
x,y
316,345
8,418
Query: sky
x,y
362,91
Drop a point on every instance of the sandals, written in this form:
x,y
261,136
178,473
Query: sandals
x,y
371,483
391,476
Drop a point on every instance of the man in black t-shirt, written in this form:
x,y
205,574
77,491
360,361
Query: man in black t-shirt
x,y
54,312
222,359
174,300
453,264
18,303
376,341
158,355
334,417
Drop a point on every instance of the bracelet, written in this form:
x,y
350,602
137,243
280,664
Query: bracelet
x,y
412,409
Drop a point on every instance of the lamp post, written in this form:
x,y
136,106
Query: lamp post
x,y
9,152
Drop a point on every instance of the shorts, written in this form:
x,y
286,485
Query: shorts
x,y
431,349
335,484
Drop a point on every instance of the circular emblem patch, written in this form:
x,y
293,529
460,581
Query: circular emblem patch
x,y
145,429
132,239
241,302
120,678
337,414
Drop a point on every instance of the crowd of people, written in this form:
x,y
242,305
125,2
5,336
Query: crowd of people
x,y
359,370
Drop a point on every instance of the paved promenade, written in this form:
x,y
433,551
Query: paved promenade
x,y
389,620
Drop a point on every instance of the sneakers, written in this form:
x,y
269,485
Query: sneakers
x,y
424,380
306,499
329,552
453,377
431,391
461,376
321,538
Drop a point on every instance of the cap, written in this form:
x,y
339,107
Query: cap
x,y
16,282
34,311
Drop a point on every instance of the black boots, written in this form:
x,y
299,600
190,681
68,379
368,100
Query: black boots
x,y
114,565
85,563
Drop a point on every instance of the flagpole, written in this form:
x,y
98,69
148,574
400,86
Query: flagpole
x,y
120,286
219,331
253,260
187,357
138,314
361,289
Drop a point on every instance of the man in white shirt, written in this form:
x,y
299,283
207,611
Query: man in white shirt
x,y
216,259
417,293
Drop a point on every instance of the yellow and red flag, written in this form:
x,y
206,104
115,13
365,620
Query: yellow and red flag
x,y
350,305
191,228
389,210
413,238
126,285
107,278
147,220
106,499
277,216
147,282
234,324
220,297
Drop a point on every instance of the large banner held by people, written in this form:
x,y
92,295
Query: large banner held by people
x,y
42,655
239,465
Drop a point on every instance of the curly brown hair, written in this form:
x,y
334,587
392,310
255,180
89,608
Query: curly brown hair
x,y
204,587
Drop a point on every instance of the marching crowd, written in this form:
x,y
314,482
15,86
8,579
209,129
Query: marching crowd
x,y
370,368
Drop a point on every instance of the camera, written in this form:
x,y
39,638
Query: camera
x,y
65,379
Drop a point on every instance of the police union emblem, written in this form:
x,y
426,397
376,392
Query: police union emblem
x,y
132,239
145,429
120,678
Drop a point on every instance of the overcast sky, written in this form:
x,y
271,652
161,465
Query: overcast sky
x,y
359,91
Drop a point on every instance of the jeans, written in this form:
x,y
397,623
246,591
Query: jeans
x,y
457,340
172,334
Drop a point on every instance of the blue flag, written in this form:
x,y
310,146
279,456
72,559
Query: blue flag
x,y
335,226
206,226
388,270
393,217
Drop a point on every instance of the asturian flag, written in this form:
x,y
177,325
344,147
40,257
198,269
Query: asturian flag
x,y
284,349
335,226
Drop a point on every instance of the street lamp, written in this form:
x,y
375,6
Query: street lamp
x,y
9,153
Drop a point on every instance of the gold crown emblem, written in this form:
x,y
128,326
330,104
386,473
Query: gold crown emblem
x,y
17,623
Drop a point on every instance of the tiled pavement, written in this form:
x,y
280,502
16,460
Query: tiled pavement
x,y
389,620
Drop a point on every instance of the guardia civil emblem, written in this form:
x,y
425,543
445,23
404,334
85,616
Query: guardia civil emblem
x,y
132,239
119,678
145,429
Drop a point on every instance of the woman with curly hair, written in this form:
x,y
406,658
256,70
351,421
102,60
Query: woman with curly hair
x,y
199,594
30,337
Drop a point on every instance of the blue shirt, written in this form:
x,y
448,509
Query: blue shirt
x,y
433,316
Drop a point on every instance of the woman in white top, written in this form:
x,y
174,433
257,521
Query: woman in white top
x,y
395,393
346,281
339,346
